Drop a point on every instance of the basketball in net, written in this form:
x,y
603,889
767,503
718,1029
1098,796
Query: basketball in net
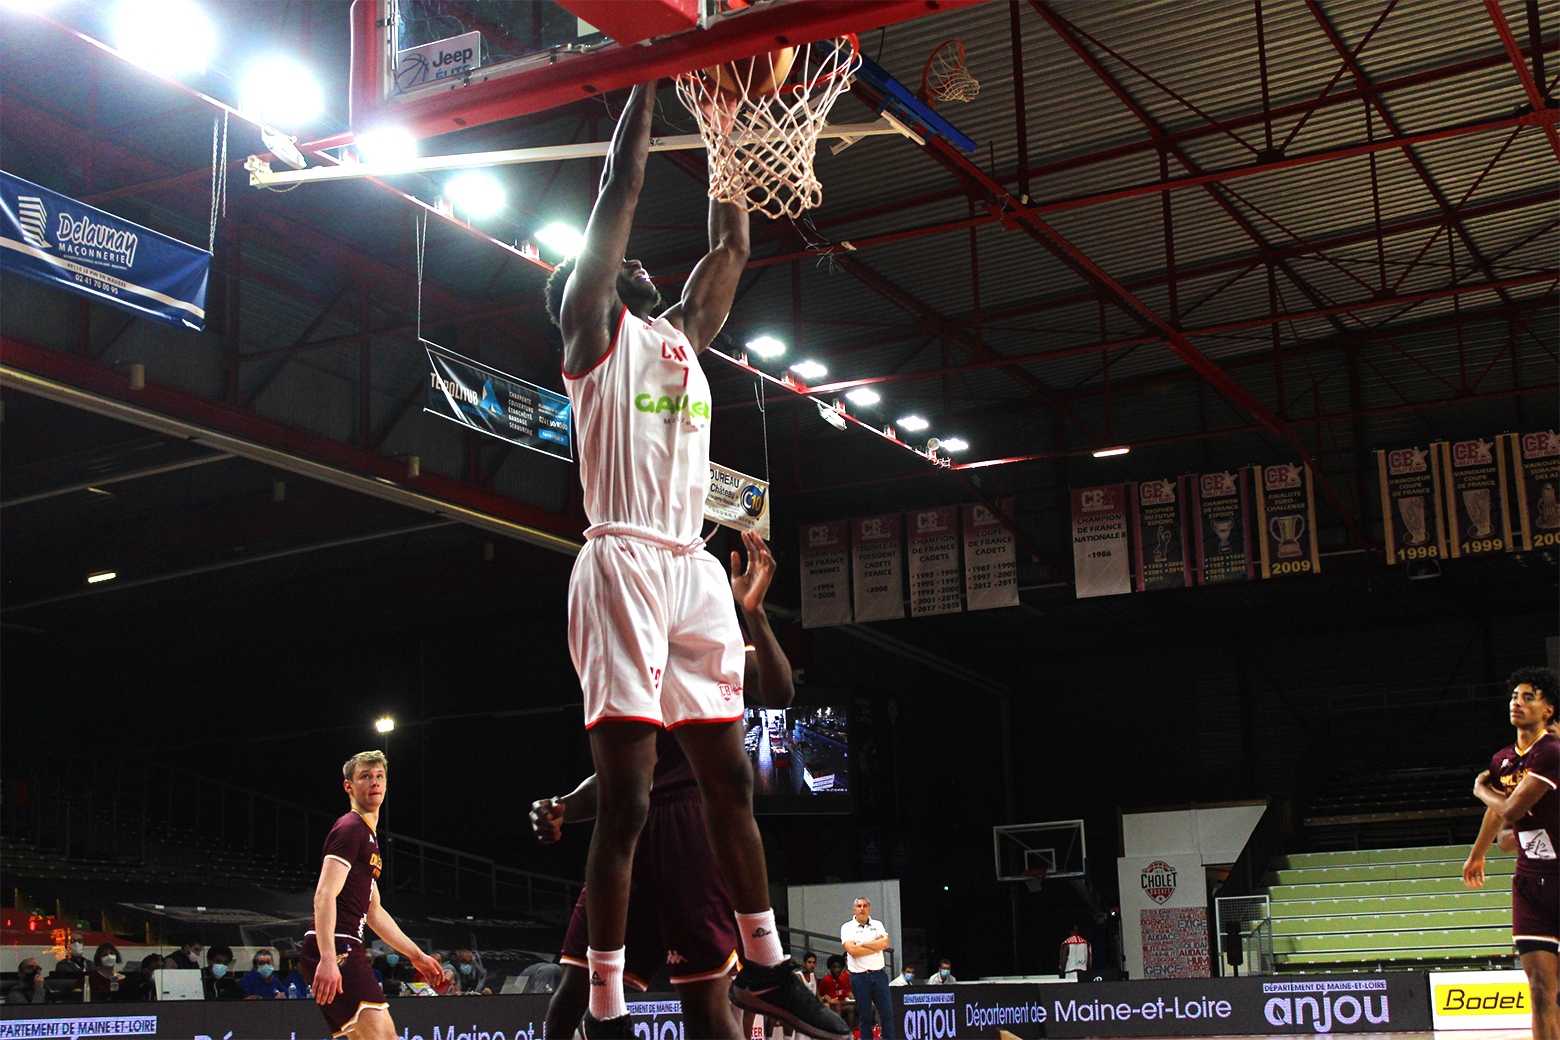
x,y
945,78
760,118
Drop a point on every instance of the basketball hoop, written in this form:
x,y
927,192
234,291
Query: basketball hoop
x,y
1034,877
945,78
760,119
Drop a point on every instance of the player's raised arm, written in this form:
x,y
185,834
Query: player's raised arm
x,y
767,673
590,297
707,296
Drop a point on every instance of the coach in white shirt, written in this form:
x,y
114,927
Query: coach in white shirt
x,y
865,939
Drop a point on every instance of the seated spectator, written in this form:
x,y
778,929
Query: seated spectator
x,y
447,986
943,976
905,978
30,987
105,980
261,982
834,991
142,985
216,980
74,963
393,972
186,956
542,977
293,984
471,975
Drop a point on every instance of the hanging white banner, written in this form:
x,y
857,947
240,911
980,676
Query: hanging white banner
x,y
738,501
875,549
1101,566
934,562
990,559
825,577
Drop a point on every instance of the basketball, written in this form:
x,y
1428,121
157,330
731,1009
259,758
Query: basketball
x,y
752,77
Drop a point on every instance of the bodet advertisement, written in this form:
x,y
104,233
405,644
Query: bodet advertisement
x,y
1480,1000
1306,1005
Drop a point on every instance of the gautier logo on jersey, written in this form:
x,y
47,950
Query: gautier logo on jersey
x,y
676,405
1158,881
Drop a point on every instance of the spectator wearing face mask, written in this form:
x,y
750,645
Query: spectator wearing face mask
x,y
186,956
905,978
393,973
105,980
74,963
261,982
217,980
471,975
30,987
943,976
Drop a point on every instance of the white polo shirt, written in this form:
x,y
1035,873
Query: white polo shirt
x,y
850,931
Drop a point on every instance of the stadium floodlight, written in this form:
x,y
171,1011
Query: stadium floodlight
x,y
561,239
954,444
1105,453
101,576
384,725
766,346
862,396
809,369
281,92
388,144
476,194
911,423
168,36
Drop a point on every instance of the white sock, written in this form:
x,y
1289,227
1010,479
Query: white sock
x,y
760,938
606,984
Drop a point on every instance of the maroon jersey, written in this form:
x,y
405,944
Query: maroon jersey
x,y
671,765
1538,833
352,841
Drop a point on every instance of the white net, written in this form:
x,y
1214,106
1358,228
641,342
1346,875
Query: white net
x,y
945,77
760,119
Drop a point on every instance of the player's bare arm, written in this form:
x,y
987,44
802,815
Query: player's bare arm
x,y
767,671
327,977
711,288
1489,829
591,299
548,815
385,927
1520,802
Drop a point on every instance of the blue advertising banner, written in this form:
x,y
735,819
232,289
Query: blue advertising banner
x,y
490,402
53,239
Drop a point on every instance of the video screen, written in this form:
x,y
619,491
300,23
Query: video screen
x,y
801,759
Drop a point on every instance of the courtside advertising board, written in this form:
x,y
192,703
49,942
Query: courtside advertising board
x,y
1480,1000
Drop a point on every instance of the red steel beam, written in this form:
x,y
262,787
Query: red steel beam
x,y
1534,92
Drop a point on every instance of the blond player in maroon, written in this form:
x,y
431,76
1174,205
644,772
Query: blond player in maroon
x,y
345,901
1521,791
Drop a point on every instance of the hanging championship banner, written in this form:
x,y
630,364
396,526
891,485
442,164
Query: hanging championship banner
x,y
1473,475
1286,521
875,545
990,558
1538,478
1221,510
53,239
935,586
825,578
737,501
1101,564
1411,503
490,402
1159,524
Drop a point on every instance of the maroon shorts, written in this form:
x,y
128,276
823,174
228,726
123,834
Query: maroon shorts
x,y
1535,908
679,913
359,988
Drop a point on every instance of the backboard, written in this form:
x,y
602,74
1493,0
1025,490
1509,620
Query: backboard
x,y
436,66
1031,852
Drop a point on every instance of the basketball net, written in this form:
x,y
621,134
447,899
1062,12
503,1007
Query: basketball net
x,y
762,140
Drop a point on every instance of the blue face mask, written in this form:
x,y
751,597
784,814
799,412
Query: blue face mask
x,y
265,970
218,970
392,959
467,969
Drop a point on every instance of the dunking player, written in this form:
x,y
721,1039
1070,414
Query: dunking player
x,y
678,910
651,625
346,899
1521,790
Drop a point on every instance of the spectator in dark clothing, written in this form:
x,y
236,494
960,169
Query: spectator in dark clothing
x,y
394,973
293,984
105,980
471,975
75,963
186,956
216,980
30,987
261,982
142,985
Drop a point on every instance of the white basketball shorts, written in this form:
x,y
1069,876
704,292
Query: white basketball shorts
x,y
654,634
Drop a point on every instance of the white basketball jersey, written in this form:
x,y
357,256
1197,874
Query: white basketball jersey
x,y
642,415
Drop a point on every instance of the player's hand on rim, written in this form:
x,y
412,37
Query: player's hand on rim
x,y
327,980
751,583
547,820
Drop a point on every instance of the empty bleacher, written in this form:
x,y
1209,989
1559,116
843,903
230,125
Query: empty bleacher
x,y
1399,808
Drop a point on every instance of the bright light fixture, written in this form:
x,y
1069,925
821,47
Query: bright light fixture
x,y
476,194
861,395
953,444
281,92
561,239
911,423
766,346
1104,453
809,369
385,725
388,144
167,36
97,576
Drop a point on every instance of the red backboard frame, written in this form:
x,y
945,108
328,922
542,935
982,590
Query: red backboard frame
x,y
549,80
